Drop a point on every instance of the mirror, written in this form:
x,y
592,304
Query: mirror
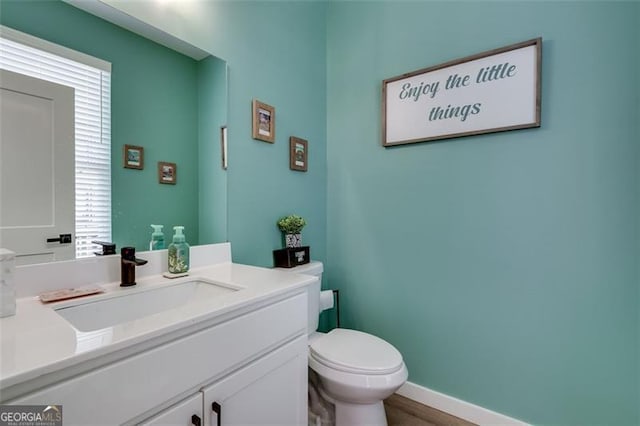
x,y
170,103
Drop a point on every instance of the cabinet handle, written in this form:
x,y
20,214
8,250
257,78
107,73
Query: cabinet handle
x,y
195,420
62,239
218,410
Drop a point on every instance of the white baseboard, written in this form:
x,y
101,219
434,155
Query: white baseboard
x,y
455,407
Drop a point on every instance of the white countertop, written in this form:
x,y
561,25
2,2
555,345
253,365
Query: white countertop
x,y
37,341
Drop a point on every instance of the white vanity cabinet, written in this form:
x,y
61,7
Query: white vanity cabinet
x,y
269,391
252,363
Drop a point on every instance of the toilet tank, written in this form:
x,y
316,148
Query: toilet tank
x,y
314,268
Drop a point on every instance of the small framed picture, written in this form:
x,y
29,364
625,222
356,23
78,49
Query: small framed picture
x,y
264,122
133,157
297,154
167,172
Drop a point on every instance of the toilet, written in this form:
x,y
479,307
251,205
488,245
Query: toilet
x,y
352,370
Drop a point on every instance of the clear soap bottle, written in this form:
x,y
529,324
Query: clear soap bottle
x,y
157,238
178,252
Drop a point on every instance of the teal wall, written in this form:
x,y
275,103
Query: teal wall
x,y
275,53
212,179
154,104
637,138
503,266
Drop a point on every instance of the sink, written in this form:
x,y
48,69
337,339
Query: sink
x,y
108,312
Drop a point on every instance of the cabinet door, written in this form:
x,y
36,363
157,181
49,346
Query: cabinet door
x,y
188,412
269,391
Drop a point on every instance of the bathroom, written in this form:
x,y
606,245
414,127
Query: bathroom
x,y
504,267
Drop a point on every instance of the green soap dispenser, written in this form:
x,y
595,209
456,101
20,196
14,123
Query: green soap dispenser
x,y
157,238
178,252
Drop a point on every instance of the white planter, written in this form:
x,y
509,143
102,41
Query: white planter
x,y
293,240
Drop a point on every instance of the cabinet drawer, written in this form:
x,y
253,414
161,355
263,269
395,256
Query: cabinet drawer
x,y
123,390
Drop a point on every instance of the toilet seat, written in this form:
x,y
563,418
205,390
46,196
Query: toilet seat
x,y
356,368
355,352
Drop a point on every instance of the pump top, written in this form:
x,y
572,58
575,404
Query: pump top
x,y
157,229
178,237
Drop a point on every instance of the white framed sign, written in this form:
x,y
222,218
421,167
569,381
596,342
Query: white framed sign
x,y
493,91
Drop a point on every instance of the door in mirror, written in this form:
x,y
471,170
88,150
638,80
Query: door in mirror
x,y
36,168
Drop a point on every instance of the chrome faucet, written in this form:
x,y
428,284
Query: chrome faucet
x,y
128,263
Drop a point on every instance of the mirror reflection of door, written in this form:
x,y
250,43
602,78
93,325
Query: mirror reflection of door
x,y
37,191
88,163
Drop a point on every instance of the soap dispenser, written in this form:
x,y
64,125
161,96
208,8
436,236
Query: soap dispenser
x,y
157,238
178,252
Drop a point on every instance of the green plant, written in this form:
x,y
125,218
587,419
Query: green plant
x,y
291,224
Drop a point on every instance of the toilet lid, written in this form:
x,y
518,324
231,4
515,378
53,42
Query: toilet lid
x,y
356,352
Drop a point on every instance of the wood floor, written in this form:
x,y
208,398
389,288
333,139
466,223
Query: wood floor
x,y
402,411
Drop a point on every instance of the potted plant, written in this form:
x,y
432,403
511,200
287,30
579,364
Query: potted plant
x,y
291,226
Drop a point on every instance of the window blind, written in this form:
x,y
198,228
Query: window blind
x,y
92,124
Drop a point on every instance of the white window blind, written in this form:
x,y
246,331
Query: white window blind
x,y
91,79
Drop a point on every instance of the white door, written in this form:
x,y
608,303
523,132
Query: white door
x,y
37,168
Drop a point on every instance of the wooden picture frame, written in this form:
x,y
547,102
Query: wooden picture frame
x,y
167,173
298,153
493,91
133,157
263,121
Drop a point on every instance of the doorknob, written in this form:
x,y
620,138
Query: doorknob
x,y
62,239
